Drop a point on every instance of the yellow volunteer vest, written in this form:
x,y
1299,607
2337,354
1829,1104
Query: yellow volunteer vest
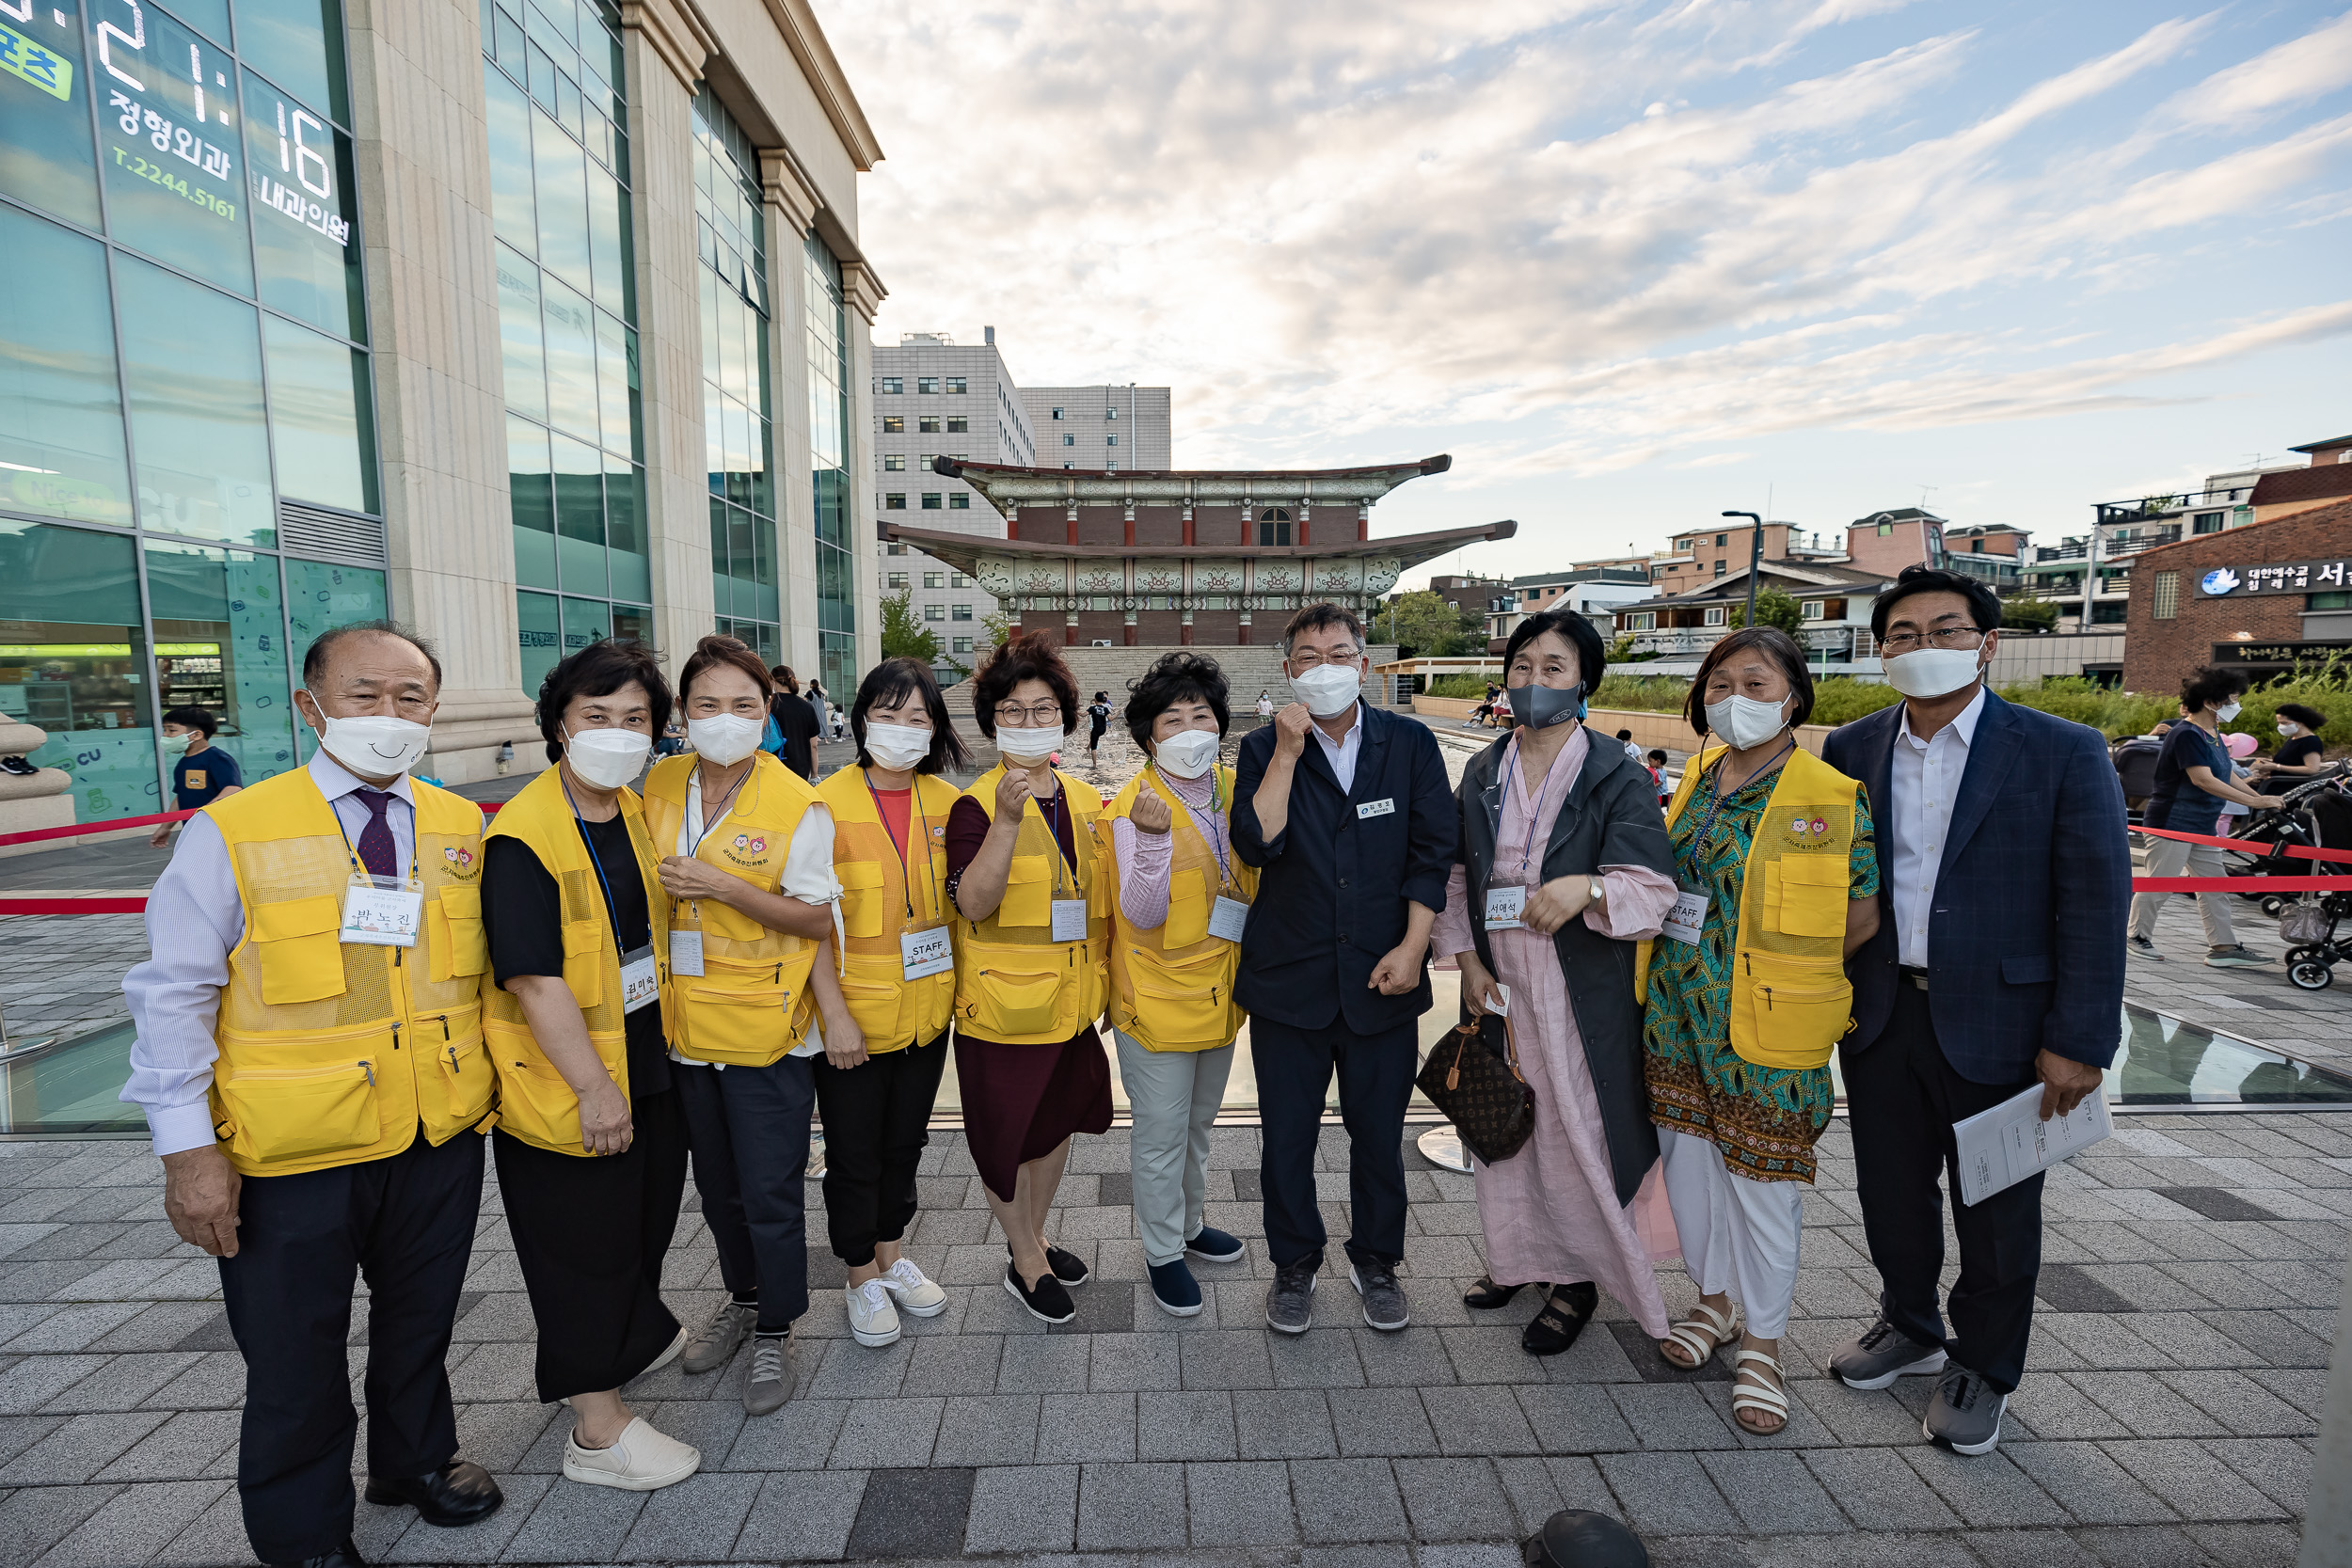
x,y
535,1105
877,890
1791,1000
750,1004
332,1053
1172,988
1014,983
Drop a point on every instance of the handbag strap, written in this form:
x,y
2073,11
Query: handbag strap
x,y
1511,1049
1465,1033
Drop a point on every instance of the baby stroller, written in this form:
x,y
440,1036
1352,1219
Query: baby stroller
x,y
2319,815
2308,925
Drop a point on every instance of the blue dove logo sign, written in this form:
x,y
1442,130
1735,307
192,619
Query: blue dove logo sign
x,y
2219,581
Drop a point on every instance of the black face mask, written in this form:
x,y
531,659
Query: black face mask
x,y
1542,706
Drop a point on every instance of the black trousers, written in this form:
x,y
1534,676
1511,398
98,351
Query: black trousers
x,y
406,1221
1376,1072
1902,1097
877,1123
748,1127
590,1232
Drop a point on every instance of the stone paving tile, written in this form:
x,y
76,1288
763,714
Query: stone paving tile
x,y
2087,1483
1988,1492
886,1434
2247,1545
1382,1422
77,1451
1347,1500
1772,1493
2281,1469
1666,1494
1028,1508
1073,1429
1875,1489
1239,1505
1130,1507
1452,1499
1286,1423
2193,1481
2143,1547
1188,1426
911,1512
801,1517
1671,1416
695,1521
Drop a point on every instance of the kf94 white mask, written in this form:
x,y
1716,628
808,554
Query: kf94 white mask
x,y
1028,746
1931,672
375,745
898,746
607,758
1744,721
1187,754
725,738
1328,688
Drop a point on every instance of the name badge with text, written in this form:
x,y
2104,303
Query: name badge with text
x,y
1376,808
1688,917
922,953
1227,917
686,952
1070,919
641,978
1504,905
382,911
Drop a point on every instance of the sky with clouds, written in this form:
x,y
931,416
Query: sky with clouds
x,y
1631,264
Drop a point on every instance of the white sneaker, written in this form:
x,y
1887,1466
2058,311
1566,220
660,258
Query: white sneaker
x,y
677,1348
917,1292
639,1460
873,1322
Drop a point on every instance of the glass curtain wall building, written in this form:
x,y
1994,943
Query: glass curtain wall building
x,y
828,464
188,471
730,235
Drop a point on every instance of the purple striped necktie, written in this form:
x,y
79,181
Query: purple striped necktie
x,y
377,852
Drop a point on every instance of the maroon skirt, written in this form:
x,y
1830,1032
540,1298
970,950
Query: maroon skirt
x,y
1019,1101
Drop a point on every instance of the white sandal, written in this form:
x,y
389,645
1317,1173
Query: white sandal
x,y
1700,1334
1770,1399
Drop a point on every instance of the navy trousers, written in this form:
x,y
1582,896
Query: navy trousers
x,y
1376,1073
406,1221
748,1127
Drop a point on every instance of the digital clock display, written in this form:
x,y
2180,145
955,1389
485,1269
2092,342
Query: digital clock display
x,y
170,143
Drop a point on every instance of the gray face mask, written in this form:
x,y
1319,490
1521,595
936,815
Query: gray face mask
x,y
1542,706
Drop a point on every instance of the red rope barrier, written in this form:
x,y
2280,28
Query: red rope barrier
x,y
2284,851
127,905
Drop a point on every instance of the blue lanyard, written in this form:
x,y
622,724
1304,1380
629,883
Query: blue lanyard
x,y
1536,813
914,795
1715,795
612,905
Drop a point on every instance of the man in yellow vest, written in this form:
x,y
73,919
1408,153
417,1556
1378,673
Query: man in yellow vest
x,y
310,1059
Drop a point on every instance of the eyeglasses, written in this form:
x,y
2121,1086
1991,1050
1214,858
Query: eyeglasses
x,y
1028,717
1951,637
1307,659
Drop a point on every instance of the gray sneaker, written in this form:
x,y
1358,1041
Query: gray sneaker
x,y
775,1371
1290,1301
2140,947
1884,1354
1966,1414
2237,956
720,1337
1384,1298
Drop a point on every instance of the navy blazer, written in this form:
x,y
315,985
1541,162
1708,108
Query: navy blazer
x,y
2025,934
1332,886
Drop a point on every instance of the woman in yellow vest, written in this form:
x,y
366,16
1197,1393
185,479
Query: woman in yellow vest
x,y
1024,872
876,1090
747,864
1747,995
1182,897
591,1140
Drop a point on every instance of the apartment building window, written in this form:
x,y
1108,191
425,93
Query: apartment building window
x,y
927,425
894,501
1645,621
2205,522
1069,465
927,384
1811,608
955,384
934,579
958,424
960,612
1722,539
2165,605
1720,568
893,384
1715,615
893,549
1067,440
894,424
1110,413
897,580
1057,413
963,645
932,501
1109,467
1887,530
1111,441
960,501
894,462
934,613
956,579
2107,612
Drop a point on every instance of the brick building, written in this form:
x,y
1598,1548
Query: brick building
x,y
2283,492
2257,597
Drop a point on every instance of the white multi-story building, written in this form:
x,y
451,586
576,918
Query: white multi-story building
x,y
1104,429
934,397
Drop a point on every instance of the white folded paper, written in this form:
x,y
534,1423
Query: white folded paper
x,y
2005,1144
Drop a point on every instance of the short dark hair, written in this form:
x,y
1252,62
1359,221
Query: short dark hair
x,y
1182,676
2210,685
198,718
1625,734
598,670
1030,656
1774,642
1317,616
1573,629
2310,718
892,681
718,649
323,647
1659,758
786,682
1984,605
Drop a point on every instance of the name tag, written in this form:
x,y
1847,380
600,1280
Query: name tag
x,y
1504,905
382,911
1376,808
922,953
1070,919
1227,917
686,952
641,978
1688,917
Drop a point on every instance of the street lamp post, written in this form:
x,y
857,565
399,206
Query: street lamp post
x,y
1756,556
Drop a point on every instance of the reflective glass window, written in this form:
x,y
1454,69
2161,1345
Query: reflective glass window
x,y
522,340
168,144
194,364
542,626
571,339
46,156
513,212
530,495
580,517
220,644
298,44
321,421
74,662
306,213
560,180
61,451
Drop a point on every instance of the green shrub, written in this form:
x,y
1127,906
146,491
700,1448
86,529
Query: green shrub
x,y
1841,699
1643,693
2325,687
1473,687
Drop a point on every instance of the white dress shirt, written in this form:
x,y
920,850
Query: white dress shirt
x,y
807,875
195,918
1926,781
1342,753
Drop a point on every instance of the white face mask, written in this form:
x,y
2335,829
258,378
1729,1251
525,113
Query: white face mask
x,y
725,738
2226,711
1028,746
897,747
1744,721
1187,753
375,746
1328,688
2289,728
607,758
1931,672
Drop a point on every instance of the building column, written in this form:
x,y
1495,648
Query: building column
x,y
1187,525
864,293
790,203
423,164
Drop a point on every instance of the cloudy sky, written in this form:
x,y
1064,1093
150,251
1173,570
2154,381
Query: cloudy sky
x,y
1635,264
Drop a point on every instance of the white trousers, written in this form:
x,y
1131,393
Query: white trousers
x,y
2170,857
1738,1235
1174,1096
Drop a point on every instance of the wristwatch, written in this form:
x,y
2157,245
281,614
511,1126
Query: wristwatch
x,y
1598,890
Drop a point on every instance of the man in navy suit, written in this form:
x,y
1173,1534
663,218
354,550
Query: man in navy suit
x,y
1347,813
2006,878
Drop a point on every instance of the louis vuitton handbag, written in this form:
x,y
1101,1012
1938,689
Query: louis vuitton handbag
x,y
1480,1089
